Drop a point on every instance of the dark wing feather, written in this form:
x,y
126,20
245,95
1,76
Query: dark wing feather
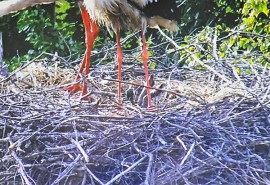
x,y
163,8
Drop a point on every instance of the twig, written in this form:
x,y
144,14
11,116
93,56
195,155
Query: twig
x,y
21,168
67,170
21,68
77,144
181,142
125,172
187,155
195,58
91,174
141,85
148,172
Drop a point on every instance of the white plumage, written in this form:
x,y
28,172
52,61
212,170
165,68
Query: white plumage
x,y
125,14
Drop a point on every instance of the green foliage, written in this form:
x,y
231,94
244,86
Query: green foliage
x,y
242,27
253,8
44,32
198,14
252,35
47,36
246,41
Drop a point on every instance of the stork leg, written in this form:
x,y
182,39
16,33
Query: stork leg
x,y
91,33
145,64
120,61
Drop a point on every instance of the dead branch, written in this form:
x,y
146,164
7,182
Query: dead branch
x,y
11,6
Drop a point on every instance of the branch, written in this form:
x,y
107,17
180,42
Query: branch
x,y
195,58
11,6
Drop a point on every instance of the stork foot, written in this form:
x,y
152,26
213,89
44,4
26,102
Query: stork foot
x,y
73,88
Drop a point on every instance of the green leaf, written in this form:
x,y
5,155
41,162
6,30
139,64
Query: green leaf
x,y
152,65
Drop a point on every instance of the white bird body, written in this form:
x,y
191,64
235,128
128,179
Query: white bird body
x,y
126,14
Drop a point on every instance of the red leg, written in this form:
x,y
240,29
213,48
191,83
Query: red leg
x,y
91,32
120,61
145,64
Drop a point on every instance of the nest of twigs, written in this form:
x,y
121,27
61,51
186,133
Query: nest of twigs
x,y
206,127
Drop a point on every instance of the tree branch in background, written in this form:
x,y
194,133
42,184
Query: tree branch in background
x,y
10,6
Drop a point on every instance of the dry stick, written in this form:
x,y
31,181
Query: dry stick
x,y
141,85
3,69
181,142
215,46
21,68
84,178
236,105
125,172
67,170
77,144
21,168
237,76
1,51
188,154
149,167
91,173
235,115
21,118
199,170
260,78
55,56
174,125
266,94
4,140
100,117
194,57
103,93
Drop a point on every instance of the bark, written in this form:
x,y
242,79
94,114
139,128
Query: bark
x,y
10,6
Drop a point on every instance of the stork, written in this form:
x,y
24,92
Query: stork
x,y
123,15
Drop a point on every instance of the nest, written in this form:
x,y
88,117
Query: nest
x,y
205,128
